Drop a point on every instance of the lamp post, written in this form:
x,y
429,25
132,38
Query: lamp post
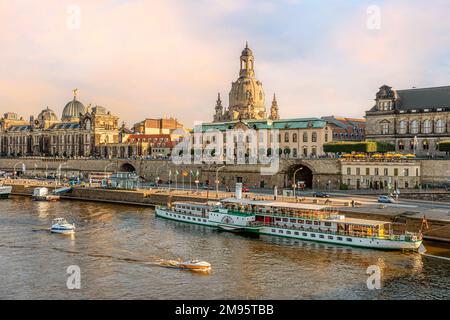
x,y
59,172
157,171
14,168
295,183
104,172
217,180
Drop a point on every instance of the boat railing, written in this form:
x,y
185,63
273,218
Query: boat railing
x,y
408,236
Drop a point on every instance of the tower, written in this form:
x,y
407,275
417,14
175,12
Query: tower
x,y
219,109
274,115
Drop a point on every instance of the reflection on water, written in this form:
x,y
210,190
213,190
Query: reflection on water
x,y
119,249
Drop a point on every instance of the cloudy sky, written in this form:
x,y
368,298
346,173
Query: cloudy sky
x,y
158,58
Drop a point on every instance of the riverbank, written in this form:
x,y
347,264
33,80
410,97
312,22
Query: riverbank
x,y
404,218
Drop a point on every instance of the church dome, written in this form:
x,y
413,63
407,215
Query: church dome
x,y
73,109
47,115
247,51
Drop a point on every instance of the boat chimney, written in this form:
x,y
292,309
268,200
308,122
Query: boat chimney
x,y
238,192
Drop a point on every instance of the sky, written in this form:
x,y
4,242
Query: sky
x,y
169,58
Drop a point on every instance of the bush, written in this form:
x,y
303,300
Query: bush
x,y
363,146
343,186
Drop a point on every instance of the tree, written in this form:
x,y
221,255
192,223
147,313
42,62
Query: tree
x,y
363,146
444,146
287,151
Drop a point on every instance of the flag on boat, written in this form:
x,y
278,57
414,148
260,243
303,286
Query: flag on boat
x,y
176,172
197,173
192,173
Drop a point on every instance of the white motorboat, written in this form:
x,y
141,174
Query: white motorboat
x,y
42,194
5,191
60,225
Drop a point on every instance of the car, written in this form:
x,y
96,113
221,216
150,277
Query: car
x,y
206,187
320,195
245,189
386,199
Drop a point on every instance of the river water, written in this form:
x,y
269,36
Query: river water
x,y
117,248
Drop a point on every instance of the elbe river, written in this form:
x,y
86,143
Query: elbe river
x,y
117,248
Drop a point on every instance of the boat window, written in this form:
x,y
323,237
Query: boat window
x,y
313,235
204,220
330,237
296,233
304,234
339,238
277,219
321,236
294,220
328,224
301,221
194,219
280,231
189,218
288,232
349,239
308,222
285,219
316,223
273,230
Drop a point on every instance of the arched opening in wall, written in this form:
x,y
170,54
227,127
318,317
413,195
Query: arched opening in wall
x,y
126,167
303,176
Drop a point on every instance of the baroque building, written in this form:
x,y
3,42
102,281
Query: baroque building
x,y
414,120
246,97
80,132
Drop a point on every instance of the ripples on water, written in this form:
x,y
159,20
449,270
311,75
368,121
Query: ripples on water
x,y
117,248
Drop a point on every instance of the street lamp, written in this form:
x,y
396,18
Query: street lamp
x,y
59,172
104,175
217,180
14,168
295,183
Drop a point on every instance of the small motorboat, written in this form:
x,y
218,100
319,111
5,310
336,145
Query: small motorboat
x,y
5,191
194,265
60,225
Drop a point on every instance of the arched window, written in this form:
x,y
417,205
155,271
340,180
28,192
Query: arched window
x,y
402,127
286,137
294,137
427,126
401,146
440,126
305,151
314,137
305,137
425,145
294,152
414,127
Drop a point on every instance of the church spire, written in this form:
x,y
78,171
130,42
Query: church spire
x,y
219,109
274,115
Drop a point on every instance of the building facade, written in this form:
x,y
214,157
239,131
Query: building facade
x,y
346,129
414,120
80,132
372,174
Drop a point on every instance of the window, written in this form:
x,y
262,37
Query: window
x,y
349,239
330,237
326,137
349,171
314,137
321,236
384,128
358,171
339,238
314,151
313,235
305,151
402,127
367,171
288,232
327,224
414,127
294,152
406,172
304,234
280,231
401,146
286,137
425,145
440,126
296,233
386,171
427,126
294,137
395,171
305,137
376,172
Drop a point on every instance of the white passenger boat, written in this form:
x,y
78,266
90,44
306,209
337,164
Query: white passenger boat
x,y
60,225
5,191
293,220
